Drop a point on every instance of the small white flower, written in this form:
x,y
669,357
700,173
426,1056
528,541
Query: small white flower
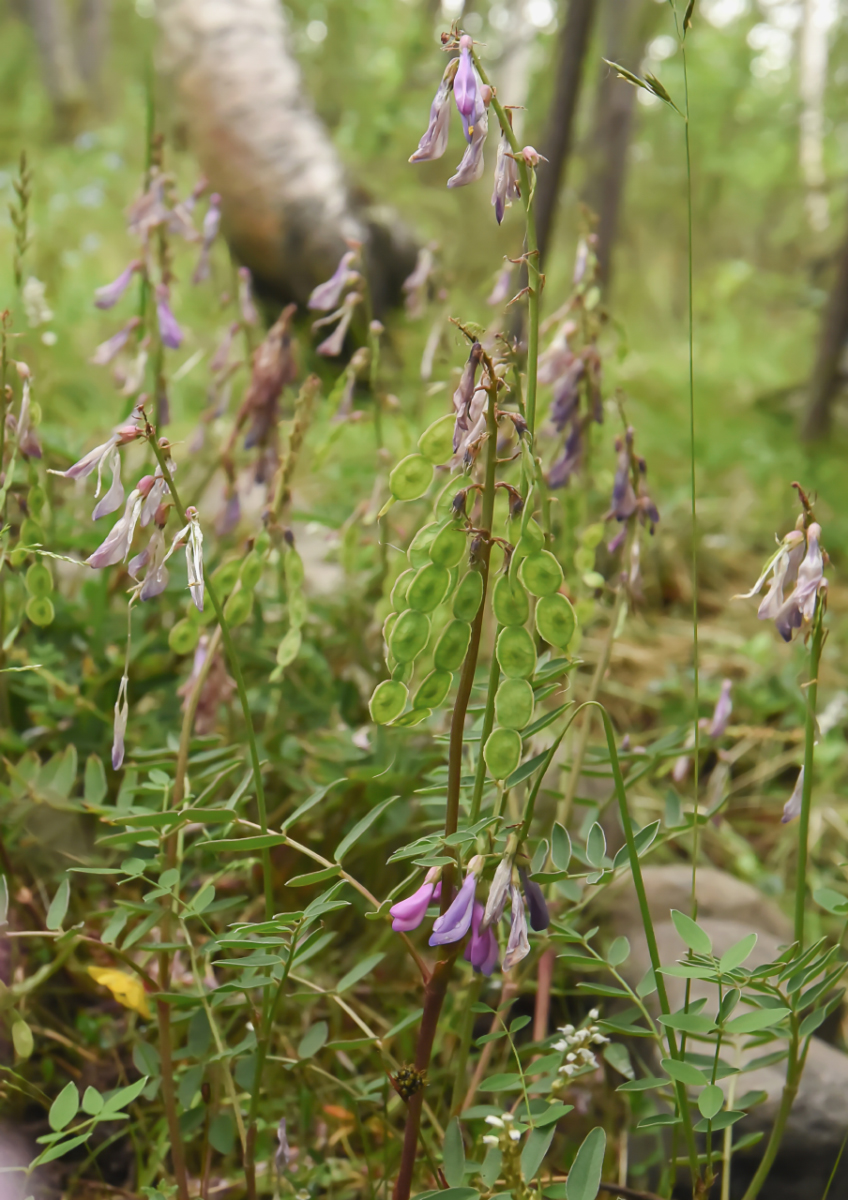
x,y
489,1139
496,1122
515,1135
594,1014
507,1118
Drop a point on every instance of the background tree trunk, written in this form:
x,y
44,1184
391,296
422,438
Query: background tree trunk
x,y
556,146
51,26
827,376
287,210
628,25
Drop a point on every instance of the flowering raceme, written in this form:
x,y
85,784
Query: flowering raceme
x,y
798,560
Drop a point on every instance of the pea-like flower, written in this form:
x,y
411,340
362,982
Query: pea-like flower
x,y
506,179
116,547
211,225
153,559
434,140
169,330
409,913
537,906
482,950
465,89
332,346
122,713
799,560
518,945
453,925
792,807
328,294
109,295
191,536
722,710
28,442
471,166
499,890
110,349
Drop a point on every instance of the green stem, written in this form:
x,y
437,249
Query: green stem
x,y
790,1089
485,730
807,790
460,1059
235,667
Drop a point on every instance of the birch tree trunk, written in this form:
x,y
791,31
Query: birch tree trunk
x,y
287,210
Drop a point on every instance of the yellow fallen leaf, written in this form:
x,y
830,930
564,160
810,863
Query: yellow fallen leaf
x,y
126,989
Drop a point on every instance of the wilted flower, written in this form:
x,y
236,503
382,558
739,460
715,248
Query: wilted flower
x,y
327,295
107,454
453,925
169,330
517,946
332,346
434,141
465,89
537,906
409,913
471,166
108,350
116,546
464,393
153,559
285,1153
192,535
532,157
792,807
110,293
506,179
211,225
246,305
498,891
28,443
722,711
482,950
798,559
122,713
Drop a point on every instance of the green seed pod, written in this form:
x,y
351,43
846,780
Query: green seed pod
x,y
31,533
556,620
541,573
419,548
468,598
388,626
39,581
40,610
263,543
428,588
528,540
514,701
238,608
17,558
433,689
448,546
414,717
436,442
403,672
451,646
293,567
225,576
409,636
510,602
516,652
502,752
388,701
36,500
184,636
251,570
411,477
401,588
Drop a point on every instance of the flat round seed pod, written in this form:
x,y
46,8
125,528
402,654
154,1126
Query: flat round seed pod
x,y
411,477
400,589
429,588
451,646
387,701
541,573
184,636
40,610
251,570
414,717
225,576
433,689
37,498
388,626
502,752
31,533
514,701
409,636
419,548
238,608
403,671
448,546
39,581
556,620
528,540
516,653
466,602
510,602
436,442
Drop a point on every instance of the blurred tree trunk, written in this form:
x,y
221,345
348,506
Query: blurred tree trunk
x,y
556,146
92,32
628,26
827,377
51,26
286,205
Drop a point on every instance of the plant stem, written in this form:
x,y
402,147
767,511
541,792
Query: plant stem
x,y
460,1059
485,730
235,667
807,790
163,1010
790,1089
188,720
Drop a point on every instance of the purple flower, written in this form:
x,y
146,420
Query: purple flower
x,y
153,558
464,393
434,140
328,294
499,890
28,442
169,330
122,712
623,496
798,609
111,293
465,88
783,567
506,179
153,497
453,925
332,346
116,547
792,807
107,350
517,946
722,711
537,906
211,225
567,393
248,309
409,913
471,167
114,498
482,950
570,459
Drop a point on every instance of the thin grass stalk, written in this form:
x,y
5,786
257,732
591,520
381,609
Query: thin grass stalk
x,y
807,789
